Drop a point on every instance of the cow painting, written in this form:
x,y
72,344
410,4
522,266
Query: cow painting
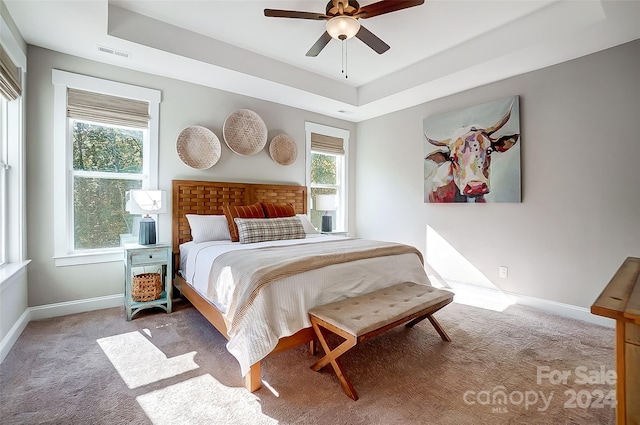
x,y
459,166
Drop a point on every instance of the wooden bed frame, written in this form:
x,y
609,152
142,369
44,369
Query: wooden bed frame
x,y
204,197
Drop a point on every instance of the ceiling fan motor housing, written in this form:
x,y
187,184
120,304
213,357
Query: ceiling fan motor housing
x,y
340,7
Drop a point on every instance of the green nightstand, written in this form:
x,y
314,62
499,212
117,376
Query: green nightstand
x,y
144,259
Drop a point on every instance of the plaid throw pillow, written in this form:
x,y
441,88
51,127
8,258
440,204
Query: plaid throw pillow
x,y
252,230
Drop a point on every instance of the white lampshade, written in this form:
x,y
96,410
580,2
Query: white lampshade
x,y
326,203
147,202
343,27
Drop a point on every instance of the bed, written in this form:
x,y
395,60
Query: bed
x,y
275,318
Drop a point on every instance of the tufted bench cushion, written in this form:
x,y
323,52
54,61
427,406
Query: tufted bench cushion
x,y
362,317
365,313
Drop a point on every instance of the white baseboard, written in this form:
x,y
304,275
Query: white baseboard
x,y
72,307
14,333
561,309
55,310
497,299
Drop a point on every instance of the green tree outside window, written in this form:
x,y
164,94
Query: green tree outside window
x,y
107,162
324,179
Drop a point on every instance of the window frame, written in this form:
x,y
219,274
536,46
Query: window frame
x,y
64,251
342,161
4,171
14,187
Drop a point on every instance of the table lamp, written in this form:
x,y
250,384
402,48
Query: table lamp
x,y
326,203
147,202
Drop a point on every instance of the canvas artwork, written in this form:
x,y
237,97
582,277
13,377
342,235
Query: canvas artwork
x,y
473,155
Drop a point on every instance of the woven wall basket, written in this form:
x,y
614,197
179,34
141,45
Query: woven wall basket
x,y
244,132
198,147
283,149
146,287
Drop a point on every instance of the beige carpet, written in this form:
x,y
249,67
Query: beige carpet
x,y
500,368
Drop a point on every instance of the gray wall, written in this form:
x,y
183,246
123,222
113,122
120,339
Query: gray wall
x,y
580,211
183,104
576,224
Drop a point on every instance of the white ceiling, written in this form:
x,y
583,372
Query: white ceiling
x,y
437,49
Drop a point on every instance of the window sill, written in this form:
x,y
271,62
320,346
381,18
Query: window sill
x,y
88,258
10,270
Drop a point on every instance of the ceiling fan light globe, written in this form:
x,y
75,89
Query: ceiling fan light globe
x,y
343,27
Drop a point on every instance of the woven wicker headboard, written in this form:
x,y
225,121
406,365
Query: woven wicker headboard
x,y
203,197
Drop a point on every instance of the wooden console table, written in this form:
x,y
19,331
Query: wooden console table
x,y
620,300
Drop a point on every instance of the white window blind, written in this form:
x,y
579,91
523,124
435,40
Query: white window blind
x,y
327,144
107,109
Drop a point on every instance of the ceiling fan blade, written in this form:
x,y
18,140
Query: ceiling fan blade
x,y
322,41
371,40
276,13
387,6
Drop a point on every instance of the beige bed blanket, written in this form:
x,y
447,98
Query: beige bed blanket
x,y
254,269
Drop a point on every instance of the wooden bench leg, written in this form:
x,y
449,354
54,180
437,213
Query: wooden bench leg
x,y
434,322
331,356
313,347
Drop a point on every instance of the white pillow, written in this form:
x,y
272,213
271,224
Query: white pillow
x,y
208,228
308,227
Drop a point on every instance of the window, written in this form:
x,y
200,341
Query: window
x,y
106,137
107,162
12,192
327,173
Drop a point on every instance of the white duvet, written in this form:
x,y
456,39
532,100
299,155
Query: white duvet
x,y
281,308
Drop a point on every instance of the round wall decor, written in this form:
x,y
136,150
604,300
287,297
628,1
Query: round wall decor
x,y
283,149
198,147
244,132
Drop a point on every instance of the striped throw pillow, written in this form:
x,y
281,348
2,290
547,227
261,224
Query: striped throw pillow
x,y
278,210
241,211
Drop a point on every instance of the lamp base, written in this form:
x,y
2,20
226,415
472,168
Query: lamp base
x,y
147,234
327,226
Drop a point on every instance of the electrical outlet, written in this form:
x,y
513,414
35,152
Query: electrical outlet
x,y
503,271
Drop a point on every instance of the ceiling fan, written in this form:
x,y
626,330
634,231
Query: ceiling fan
x,y
343,23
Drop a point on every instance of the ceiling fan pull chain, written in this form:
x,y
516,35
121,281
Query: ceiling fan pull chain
x,y
342,54
346,62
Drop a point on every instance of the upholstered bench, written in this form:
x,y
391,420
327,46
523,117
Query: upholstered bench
x,y
359,318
